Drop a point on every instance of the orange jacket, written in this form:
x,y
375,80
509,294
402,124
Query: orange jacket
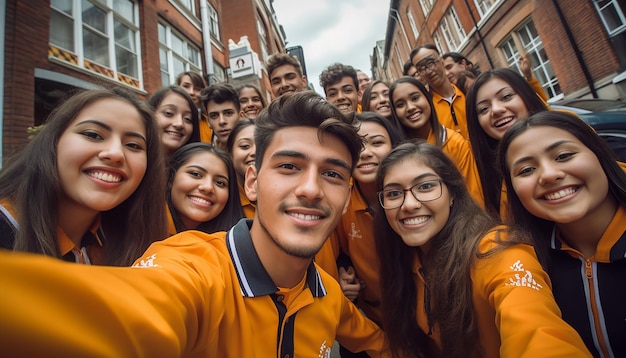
x,y
445,111
191,295
515,311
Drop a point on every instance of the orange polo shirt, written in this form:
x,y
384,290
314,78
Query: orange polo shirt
x,y
206,133
445,111
248,208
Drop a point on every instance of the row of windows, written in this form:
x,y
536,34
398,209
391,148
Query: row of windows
x,y
103,36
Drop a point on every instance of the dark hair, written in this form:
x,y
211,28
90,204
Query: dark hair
x,y
258,91
243,123
418,48
304,109
435,126
220,93
195,77
483,146
541,229
31,184
406,67
458,58
448,280
157,97
365,101
462,79
231,213
280,59
335,72
395,137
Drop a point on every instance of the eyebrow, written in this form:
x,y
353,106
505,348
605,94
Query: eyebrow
x,y
109,128
416,179
299,155
497,93
548,149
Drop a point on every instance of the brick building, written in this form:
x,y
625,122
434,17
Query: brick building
x,y
577,48
51,47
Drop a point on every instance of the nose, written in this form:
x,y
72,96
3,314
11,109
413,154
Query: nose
x,y
222,120
549,173
309,186
366,152
177,121
206,185
497,107
113,152
410,202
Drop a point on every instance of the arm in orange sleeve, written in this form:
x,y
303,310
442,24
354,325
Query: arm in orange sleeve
x,y
171,309
512,290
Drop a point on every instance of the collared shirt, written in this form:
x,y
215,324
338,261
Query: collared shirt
x,y
452,114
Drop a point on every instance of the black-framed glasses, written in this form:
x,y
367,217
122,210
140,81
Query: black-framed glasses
x,y
428,190
428,65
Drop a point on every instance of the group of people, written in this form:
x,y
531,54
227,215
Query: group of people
x,y
429,217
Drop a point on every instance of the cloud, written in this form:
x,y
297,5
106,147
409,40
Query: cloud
x,y
330,31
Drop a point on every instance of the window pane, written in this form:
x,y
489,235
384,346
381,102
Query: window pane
x,y
177,44
124,36
161,34
126,61
62,5
95,47
193,55
125,8
94,16
179,65
61,31
165,79
611,17
163,59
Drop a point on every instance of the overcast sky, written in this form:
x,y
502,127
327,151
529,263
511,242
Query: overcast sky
x,y
332,31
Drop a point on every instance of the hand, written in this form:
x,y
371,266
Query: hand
x,y
525,66
350,285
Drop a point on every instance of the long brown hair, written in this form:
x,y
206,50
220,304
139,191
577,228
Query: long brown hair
x,y
31,183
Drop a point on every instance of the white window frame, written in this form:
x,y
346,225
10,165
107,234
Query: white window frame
x,y
426,5
112,16
542,69
617,10
452,30
409,15
484,6
171,54
214,21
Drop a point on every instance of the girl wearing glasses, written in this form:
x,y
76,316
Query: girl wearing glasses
x,y
414,114
454,284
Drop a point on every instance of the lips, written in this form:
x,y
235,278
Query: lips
x,y
175,133
416,220
503,121
561,193
200,201
105,176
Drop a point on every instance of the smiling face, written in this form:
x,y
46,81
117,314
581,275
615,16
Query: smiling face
x,y
412,108
499,107
416,222
302,189
343,95
244,151
222,118
556,177
250,102
101,156
175,121
200,189
194,92
285,79
430,63
379,100
453,69
377,146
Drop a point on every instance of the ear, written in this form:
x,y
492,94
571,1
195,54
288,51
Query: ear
x,y
347,204
250,183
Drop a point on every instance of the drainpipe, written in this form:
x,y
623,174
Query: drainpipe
x,y
579,55
206,40
480,36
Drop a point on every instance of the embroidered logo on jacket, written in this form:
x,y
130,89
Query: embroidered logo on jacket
x,y
355,233
148,262
526,280
324,351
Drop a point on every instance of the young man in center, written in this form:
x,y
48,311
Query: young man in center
x,y
449,100
222,105
285,74
253,291
341,86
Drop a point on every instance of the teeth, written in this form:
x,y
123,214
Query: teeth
x,y
415,115
199,200
559,194
178,134
503,121
306,217
416,221
108,177
368,165
252,162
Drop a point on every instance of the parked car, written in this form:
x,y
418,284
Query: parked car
x,y
607,117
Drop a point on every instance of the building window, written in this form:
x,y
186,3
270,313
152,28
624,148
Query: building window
x,y
177,54
612,16
188,4
103,33
451,29
409,15
527,38
219,73
484,6
426,6
439,44
263,38
214,22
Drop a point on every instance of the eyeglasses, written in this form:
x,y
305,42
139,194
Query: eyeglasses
x,y
429,65
425,191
